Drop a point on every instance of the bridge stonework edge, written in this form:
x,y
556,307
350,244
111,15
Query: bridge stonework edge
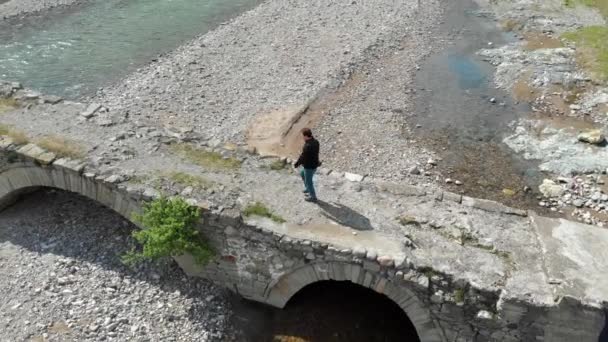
x,y
262,265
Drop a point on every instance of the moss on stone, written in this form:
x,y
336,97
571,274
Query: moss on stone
x,y
187,179
206,159
259,209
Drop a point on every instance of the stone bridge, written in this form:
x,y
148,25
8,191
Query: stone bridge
x,y
462,269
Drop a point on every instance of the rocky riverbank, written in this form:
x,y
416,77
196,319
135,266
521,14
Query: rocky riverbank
x,y
61,279
16,8
345,66
547,68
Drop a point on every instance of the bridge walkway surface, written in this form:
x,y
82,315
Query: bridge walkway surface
x,y
463,269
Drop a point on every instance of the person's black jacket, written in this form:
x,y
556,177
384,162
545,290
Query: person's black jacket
x,y
310,155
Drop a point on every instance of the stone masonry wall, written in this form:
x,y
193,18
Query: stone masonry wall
x,y
265,266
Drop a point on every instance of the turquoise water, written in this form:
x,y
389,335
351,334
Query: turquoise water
x,y
73,53
468,72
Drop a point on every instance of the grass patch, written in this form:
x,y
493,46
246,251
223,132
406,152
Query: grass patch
x,y
468,238
502,254
186,179
277,165
601,5
206,159
19,137
429,272
7,104
592,49
61,146
259,209
510,25
459,295
408,220
170,230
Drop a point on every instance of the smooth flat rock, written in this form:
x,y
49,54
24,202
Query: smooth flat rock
x,y
576,255
337,235
353,177
91,110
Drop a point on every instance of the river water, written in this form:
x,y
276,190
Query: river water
x,y
71,52
463,117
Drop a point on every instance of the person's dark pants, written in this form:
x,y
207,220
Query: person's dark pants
x,y
307,175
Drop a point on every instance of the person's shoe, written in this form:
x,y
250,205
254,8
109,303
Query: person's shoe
x,y
311,200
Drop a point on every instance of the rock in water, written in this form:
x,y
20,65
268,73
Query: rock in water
x,y
550,189
592,137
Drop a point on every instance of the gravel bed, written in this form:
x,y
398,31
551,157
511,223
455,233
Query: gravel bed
x,y
284,54
61,279
13,8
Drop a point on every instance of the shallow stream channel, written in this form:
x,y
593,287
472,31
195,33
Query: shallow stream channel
x,y
463,117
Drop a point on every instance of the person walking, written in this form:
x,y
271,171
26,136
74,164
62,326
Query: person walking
x,y
309,160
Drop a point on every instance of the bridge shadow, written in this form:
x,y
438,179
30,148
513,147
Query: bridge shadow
x,y
59,228
345,216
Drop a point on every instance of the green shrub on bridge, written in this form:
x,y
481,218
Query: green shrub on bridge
x,y
170,230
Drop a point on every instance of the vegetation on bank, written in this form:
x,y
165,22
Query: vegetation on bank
x,y
206,159
601,5
592,49
277,165
259,209
7,104
18,136
62,147
170,230
187,179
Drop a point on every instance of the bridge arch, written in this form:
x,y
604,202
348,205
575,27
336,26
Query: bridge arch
x,y
282,289
25,178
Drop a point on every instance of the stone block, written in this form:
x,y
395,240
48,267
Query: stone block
x,y
70,164
368,279
36,153
452,197
371,266
492,206
58,177
355,273
353,177
380,285
400,189
5,142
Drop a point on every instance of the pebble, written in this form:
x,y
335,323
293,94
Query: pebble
x,y
102,292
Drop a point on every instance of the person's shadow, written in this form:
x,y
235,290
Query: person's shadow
x,y
604,333
345,216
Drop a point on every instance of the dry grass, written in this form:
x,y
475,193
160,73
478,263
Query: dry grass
x,y
510,25
592,49
61,146
538,40
259,209
188,179
7,104
601,5
19,137
206,159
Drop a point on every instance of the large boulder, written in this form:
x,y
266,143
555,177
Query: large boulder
x,y
595,137
550,189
